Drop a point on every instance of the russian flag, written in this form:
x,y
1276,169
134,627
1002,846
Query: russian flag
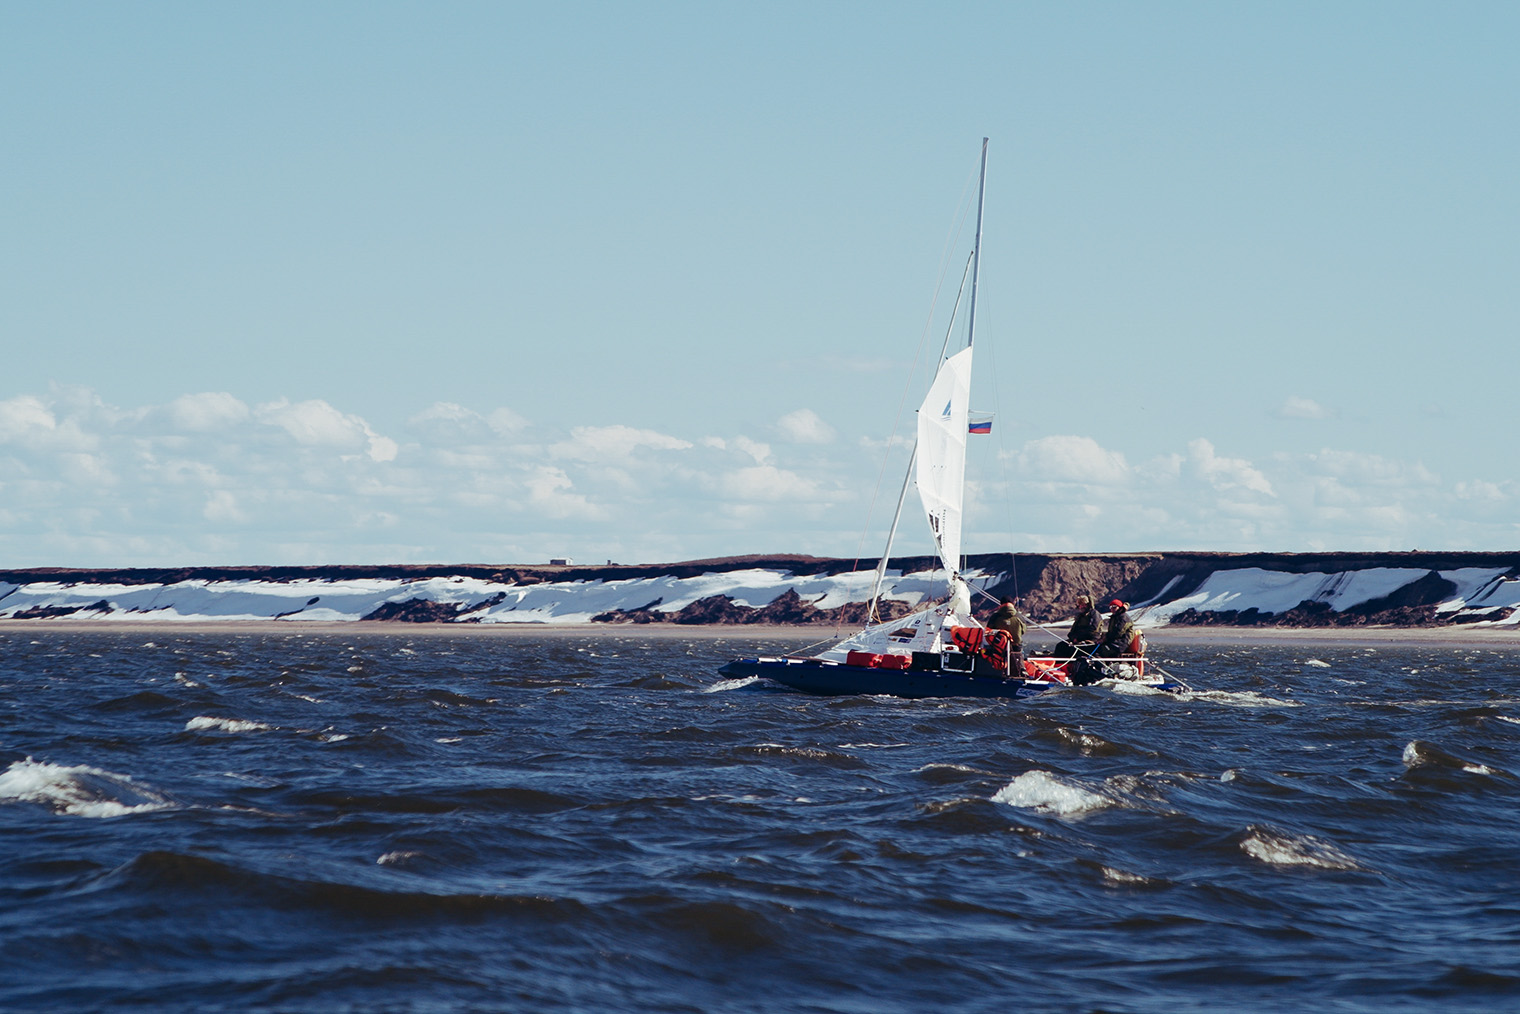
x,y
982,426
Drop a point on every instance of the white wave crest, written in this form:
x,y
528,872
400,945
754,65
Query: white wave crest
x,y
1280,849
1234,699
79,791
1317,663
205,723
722,685
1044,792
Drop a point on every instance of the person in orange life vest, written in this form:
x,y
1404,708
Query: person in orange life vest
x,y
1007,618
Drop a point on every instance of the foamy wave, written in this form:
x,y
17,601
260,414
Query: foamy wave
x,y
1280,849
723,685
205,723
1317,663
1418,753
1241,699
1044,792
79,791
1123,878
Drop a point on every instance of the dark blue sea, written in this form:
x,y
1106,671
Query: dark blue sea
x,y
425,822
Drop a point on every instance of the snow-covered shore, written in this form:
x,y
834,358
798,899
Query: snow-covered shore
x,y
1180,590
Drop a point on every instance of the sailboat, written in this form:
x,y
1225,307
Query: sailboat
x,y
942,650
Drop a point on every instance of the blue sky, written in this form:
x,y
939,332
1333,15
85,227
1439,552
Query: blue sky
x,y
295,283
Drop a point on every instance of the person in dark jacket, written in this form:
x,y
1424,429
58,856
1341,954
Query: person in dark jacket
x,y
1121,631
1007,618
1084,630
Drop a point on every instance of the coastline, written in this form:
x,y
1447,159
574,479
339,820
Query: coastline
x,y
1470,636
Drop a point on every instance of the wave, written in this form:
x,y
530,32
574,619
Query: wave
x,y
1044,792
205,723
722,685
161,872
78,791
1278,848
1421,754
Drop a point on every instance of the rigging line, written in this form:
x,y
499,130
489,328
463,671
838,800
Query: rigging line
x,y
1002,461
952,238
902,496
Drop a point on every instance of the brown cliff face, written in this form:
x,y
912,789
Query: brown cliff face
x,y
1047,587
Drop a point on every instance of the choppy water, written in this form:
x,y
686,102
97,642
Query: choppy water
x,y
395,822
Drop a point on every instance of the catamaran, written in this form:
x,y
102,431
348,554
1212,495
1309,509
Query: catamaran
x,y
942,650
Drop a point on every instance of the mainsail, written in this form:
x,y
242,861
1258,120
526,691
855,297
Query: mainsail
x,y
942,422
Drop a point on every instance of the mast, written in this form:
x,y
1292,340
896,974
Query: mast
x,y
976,259
976,251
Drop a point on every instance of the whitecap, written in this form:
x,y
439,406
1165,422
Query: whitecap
x,y
734,684
205,723
962,768
398,856
1118,878
1237,699
1045,793
1280,849
79,791
1318,664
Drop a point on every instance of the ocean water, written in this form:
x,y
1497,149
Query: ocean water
x,y
542,822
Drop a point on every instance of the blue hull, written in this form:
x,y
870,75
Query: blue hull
x,y
815,677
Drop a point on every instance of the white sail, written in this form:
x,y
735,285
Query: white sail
x,y
941,474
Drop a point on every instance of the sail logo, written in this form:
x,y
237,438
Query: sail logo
x,y
946,413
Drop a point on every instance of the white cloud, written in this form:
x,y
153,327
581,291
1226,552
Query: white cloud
x,y
206,479
25,417
317,423
754,448
1371,469
1224,473
30,423
506,421
1071,459
210,410
549,492
804,427
222,505
1489,492
1303,408
767,482
592,443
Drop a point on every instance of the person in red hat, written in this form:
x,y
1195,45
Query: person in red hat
x,y
1121,631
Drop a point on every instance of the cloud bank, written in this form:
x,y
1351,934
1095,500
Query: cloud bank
x,y
208,479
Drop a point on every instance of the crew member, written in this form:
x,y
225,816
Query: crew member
x,y
1121,631
1084,630
1007,619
